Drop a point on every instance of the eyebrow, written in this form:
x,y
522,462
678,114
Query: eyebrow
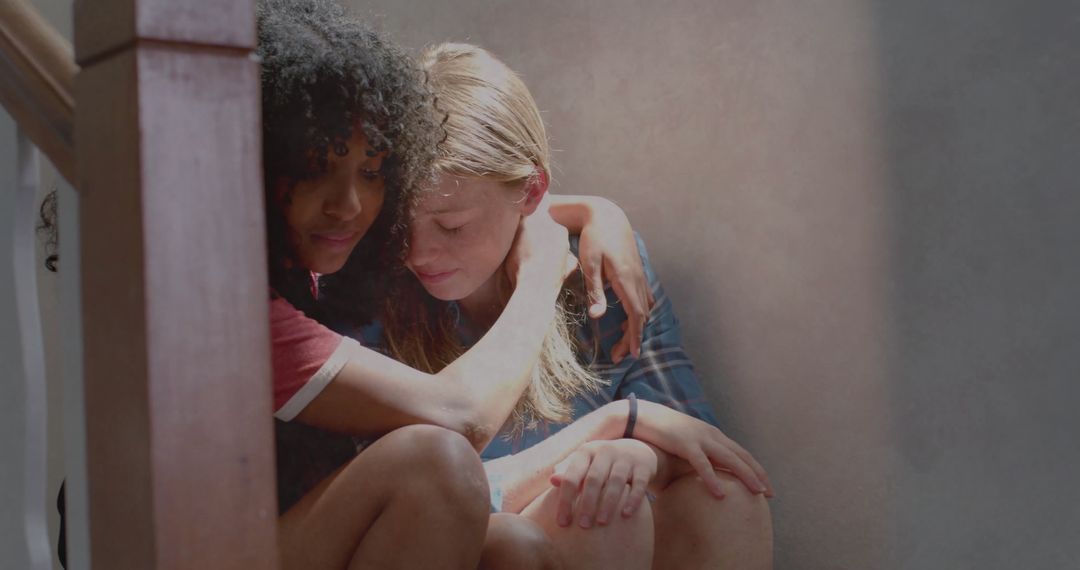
x,y
446,210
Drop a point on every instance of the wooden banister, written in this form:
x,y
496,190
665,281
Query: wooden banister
x,y
37,77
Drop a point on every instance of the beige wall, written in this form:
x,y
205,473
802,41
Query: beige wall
x,y
743,140
865,213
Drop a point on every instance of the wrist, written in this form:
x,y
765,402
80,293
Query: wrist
x,y
614,419
631,417
576,212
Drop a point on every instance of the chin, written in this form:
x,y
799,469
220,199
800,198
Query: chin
x,y
326,266
444,295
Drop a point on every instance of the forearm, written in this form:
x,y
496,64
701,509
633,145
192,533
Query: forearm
x,y
524,476
492,375
575,212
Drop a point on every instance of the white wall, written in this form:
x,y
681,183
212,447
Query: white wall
x,y
58,14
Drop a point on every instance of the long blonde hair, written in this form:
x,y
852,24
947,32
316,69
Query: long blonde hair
x,y
493,131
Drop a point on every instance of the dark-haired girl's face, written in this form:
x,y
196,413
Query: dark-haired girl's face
x,y
329,214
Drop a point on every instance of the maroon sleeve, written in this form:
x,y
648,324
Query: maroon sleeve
x,y
305,357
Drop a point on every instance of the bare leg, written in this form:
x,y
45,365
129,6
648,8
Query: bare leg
x,y
695,530
516,543
623,544
416,498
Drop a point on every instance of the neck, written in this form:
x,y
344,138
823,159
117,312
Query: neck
x,y
484,305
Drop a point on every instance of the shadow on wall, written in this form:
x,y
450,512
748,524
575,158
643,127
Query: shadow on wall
x,y
982,121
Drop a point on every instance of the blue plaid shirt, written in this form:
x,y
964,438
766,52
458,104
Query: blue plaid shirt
x,y
663,373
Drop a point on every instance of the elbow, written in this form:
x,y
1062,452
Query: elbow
x,y
478,434
469,419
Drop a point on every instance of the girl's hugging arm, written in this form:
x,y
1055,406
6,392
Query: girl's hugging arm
x,y
608,249
365,393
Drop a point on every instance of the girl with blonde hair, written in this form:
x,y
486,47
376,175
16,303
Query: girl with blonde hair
x,y
596,429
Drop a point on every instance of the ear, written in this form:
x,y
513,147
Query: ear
x,y
535,189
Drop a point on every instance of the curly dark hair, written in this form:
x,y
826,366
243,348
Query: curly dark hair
x,y
323,74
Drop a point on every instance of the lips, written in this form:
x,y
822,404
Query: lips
x,y
433,277
334,240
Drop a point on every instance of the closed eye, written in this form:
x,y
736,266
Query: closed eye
x,y
450,230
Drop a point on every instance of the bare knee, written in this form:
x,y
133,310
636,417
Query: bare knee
x,y
438,468
689,521
739,505
624,542
515,543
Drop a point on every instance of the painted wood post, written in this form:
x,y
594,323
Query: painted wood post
x,y
174,286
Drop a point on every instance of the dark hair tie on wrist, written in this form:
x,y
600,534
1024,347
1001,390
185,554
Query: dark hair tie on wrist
x,y
631,418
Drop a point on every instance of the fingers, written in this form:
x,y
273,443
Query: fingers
x,y
571,266
634,303
594,283
638,485
759,471
598,474
708,475
570,474
622,347
613,491
722,456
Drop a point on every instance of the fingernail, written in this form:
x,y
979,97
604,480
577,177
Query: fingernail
x,y
585,521
564,520
601,520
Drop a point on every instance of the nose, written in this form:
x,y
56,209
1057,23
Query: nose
x,y
344,203
423,249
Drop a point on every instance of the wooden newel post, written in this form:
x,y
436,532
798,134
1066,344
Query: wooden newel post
x,y
174,285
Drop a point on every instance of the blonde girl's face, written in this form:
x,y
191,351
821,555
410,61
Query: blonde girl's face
x,y
460,234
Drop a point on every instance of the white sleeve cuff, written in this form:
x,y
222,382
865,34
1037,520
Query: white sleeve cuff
x,y
318,381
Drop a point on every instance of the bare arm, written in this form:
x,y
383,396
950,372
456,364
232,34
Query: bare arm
x,y
608,250
523,476
577,211
374,394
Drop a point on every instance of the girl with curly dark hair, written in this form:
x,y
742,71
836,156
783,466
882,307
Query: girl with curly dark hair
x,y
349,137
350,133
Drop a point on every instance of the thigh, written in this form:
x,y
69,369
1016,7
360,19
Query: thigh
x,y
323,529
416,493
514,542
